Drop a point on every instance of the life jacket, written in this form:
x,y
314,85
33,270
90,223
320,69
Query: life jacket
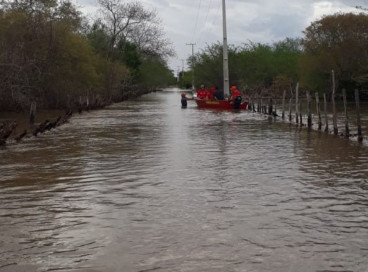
x,y
211,93
202,94
235,94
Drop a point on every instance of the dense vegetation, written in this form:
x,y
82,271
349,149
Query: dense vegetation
x,y
51,55
338,42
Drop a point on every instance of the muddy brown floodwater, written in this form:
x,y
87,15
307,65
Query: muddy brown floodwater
x,y
147,186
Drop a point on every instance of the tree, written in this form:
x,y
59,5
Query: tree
x,y
253,66
43,57
131,22
99,39
154,73
337,42
150,39
208,65
48,55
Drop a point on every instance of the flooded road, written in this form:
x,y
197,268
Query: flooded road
x,y
147,186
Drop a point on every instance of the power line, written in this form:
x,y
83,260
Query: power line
x,y
196,21
205,21
192,44
208,11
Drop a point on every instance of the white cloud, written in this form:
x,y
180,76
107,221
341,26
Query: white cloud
x,y
323,8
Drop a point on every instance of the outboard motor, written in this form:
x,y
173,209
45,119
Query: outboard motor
x,y
237,102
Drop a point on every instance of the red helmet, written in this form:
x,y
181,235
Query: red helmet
x,y
233,88
183,95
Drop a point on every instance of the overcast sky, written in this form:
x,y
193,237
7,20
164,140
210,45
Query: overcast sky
x,y
264,21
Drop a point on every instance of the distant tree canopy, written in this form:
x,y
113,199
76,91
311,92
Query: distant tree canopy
x,y
49,54
132,35
252,66
337,42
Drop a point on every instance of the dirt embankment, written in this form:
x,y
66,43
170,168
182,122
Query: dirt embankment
x,y
16,126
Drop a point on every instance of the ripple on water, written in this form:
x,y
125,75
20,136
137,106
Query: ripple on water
x,y
146,186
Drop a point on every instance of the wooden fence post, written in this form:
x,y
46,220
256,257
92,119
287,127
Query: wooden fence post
x,y
309,110
283,105
290,116
360,136
261,105
334,103
318,112
300,112
270,106
325,109
297,103
347,132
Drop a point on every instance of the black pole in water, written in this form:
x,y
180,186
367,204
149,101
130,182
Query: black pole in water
x,y
309,110
297,104
270,107
283,105
261,106
318,112
347,132
360,136
334,104
325,109
290,116
300,113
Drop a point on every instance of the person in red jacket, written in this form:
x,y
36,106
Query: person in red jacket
x,y
211,93
236,98
202,93
234,93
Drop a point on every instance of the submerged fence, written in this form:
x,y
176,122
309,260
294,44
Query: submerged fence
x,y
317,116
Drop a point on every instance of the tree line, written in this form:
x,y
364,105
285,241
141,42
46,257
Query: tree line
x,y
337,42
52,55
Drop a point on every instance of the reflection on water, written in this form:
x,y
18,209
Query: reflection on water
x,y
147,186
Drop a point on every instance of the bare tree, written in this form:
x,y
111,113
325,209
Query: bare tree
x,y
132,22
151,40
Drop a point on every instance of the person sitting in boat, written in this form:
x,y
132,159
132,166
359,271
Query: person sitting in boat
x,y
211,93
218,94
202,93
235,97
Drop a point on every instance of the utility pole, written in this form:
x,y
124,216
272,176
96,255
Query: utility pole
x,y
225,53
182,65
192,44
178,73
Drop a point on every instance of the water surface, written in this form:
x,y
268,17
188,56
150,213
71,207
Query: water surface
x,y
147,186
